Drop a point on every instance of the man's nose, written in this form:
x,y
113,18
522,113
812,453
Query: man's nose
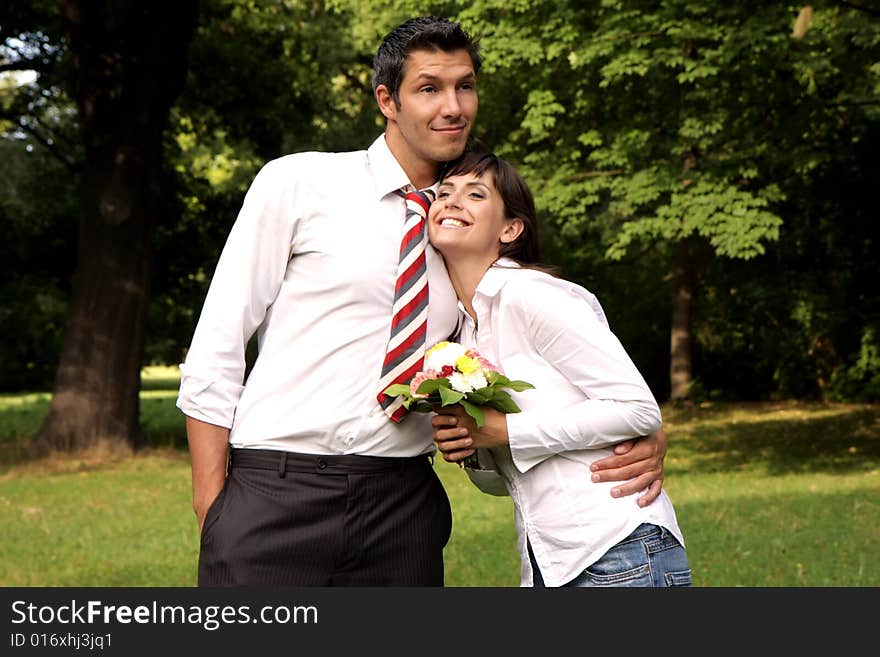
x,y
451,104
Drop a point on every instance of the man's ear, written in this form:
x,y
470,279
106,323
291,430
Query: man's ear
x,y
513,228
386,102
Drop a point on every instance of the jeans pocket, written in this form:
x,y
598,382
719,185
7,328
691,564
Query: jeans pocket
x,y
640,576
680,578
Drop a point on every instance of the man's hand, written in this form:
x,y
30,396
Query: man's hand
x,y
457,434
639,460
208,445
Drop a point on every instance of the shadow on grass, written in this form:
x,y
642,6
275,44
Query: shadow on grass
x,y
161,383
784,537
773,437
780,439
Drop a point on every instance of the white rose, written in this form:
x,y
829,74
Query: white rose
x,y
467,382
460,383
476,380
446,354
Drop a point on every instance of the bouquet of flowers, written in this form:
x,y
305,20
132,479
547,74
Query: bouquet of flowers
x,y
454,374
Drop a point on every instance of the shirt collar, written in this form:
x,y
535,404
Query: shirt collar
x,y
496,277
388,175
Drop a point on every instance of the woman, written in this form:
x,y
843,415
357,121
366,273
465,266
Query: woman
x,y
588,393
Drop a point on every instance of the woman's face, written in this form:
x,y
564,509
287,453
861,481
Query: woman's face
x,y
468,218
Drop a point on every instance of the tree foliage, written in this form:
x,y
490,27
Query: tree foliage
x,y
266,78
746,132
40,157
641,124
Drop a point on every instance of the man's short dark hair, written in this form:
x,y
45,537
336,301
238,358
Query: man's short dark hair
x,y
422,33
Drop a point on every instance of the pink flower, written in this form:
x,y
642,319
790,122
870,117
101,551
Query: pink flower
x,y
419,378
485,364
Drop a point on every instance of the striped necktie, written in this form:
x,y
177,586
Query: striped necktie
x,y
405,353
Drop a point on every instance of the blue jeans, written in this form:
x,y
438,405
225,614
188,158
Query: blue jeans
x,y
650,556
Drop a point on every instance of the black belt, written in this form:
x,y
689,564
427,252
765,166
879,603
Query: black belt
x,y
272,459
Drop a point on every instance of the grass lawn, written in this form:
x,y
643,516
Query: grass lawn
x,y
770,494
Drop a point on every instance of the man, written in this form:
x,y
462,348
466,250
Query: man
x,y
323,488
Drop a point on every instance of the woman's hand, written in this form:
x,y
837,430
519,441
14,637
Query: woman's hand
x,y
457,435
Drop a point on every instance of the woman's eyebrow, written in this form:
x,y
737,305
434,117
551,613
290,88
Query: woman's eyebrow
x,y
470,183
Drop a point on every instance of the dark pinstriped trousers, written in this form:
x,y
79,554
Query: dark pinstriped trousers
x,y
307,520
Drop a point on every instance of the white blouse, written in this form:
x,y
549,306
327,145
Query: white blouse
x,y
588,395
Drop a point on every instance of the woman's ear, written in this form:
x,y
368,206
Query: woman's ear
x,y
513,228
386,102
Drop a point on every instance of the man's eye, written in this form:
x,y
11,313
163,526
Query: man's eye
x,y
428,90
442,194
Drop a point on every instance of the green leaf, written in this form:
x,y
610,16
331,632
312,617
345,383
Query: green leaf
x,y
397,389
432,385
503,402
480,396
498,380
449,396
475,412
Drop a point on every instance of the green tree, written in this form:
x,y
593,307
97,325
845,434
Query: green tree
x,y
265,79
713,160
124,64
676,125
155,166
40,159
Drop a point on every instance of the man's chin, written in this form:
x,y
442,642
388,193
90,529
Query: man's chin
x,y
450,151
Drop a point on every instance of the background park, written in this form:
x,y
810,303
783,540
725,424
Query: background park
x,y
709,169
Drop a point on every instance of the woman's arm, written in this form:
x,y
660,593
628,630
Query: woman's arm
x,y
566,328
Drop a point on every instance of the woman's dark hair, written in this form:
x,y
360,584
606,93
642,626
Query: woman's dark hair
x,y
517,198
422,33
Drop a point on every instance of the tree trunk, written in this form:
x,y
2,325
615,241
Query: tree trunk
x,y
130,60
681,342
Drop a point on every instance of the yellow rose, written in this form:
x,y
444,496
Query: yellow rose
x,y
436,347
467,365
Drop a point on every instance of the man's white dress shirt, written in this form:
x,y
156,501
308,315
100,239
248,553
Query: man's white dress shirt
x,y
310,266
588,394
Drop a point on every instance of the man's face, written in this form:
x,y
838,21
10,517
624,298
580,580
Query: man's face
x,y
437,107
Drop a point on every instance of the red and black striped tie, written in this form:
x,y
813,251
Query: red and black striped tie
x,y
405,353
